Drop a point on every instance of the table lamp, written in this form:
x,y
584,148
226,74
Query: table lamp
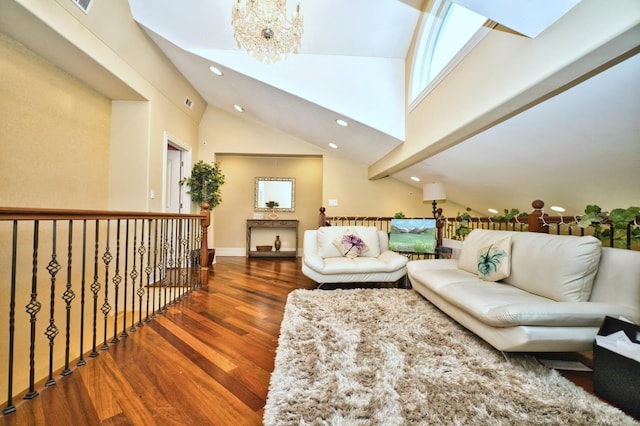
x,y
433,191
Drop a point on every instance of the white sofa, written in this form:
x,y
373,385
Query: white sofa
x,y
558,292
323,263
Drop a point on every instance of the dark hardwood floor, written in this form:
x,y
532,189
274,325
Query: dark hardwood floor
x,y
207,361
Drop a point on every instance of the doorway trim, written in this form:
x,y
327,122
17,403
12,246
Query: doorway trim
x,y
170,140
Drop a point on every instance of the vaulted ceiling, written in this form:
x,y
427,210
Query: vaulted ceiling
x,y
579,147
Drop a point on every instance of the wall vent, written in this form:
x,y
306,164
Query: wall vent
x,y
84,5
188,102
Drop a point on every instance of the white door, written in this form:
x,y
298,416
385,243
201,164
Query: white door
x,y
174,174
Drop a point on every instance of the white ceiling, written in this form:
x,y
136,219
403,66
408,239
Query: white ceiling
x,y
526,17
580,147
351,65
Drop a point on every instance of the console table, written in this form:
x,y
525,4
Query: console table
x,y
274,224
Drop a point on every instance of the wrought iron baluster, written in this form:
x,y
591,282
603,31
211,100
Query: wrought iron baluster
x,y
117,278
126,282
191,227
179,276
68,296
52,330
134,275
190,265
188,241
82,361
140,291
147,270
10,408
197,230
33,307
184,254
169,262
163,262
178,272
174,272
171,244
106,307
199,236
157,262
155,269
95,288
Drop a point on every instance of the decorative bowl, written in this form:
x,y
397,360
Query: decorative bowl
x,y
263,248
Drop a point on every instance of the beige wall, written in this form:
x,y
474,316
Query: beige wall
x,y
54,135
223,133
359,196
238,195
128,68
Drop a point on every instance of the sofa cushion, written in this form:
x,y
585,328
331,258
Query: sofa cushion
x,y
494,260
350,245
387,261
435,279
327,234
559,267
476,240
503,305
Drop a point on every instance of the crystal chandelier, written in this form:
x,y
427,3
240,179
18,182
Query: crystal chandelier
x,y
261,27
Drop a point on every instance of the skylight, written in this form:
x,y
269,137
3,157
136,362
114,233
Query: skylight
x,y
446,35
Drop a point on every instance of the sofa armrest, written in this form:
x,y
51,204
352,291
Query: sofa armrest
x,y
393,260
314,262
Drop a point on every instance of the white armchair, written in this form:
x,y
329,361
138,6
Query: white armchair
x,y
323,262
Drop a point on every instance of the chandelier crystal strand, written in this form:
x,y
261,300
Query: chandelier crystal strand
x,y
261,27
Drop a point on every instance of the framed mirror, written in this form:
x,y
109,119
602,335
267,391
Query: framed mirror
x,y
280,190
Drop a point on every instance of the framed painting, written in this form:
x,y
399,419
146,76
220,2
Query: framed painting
x,y
413,235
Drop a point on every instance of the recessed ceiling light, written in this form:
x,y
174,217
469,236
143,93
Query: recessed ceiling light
x,y
415,179
558,209
238,108
333,145
215,70
341,122
494,211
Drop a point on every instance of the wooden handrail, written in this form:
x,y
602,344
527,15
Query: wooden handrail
x,y
535,221
20,213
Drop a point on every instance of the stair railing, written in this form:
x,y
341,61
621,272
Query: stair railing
x,y
74,282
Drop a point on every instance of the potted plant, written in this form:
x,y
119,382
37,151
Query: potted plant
x,y
204,186
204,183
273,205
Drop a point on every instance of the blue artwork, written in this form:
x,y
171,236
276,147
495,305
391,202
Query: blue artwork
x,y
413,235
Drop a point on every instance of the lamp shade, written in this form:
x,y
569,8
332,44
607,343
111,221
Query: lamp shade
x,y
433,191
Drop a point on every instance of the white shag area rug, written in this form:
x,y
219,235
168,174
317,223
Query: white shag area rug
x,y
389,357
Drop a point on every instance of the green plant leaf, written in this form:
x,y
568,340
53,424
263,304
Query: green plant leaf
x,y
621,217
204,183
